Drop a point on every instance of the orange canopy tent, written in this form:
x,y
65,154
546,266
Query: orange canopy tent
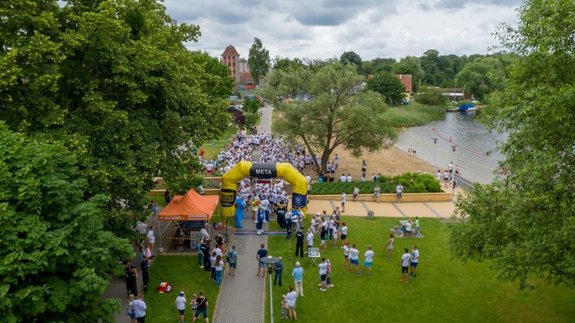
x,y
190,207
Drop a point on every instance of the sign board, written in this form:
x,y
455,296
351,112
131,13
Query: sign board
x,y
227,197
298,200
259,170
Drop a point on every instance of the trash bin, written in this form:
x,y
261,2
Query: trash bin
x,y
370,214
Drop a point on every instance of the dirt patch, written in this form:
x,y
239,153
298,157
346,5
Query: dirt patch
x,y
391,161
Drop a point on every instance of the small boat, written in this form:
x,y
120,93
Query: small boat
x,y
467,107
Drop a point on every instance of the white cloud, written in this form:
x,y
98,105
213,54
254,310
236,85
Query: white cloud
x,y
327,28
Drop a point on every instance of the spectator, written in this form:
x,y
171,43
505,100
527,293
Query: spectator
x,y
181,306
292,296
201,307
232,260
278,272
262,253
297,275
140,309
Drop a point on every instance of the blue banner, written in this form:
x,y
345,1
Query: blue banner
x,y
298,200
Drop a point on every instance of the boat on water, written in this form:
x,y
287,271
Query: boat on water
x,y
467,107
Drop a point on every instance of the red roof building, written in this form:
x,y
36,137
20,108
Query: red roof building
x,y
231,58
406,80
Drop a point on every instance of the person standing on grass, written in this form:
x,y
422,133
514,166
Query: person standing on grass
x,y
181,306
324,234
279,267
140,309
354,258
414,260
219,268
343,198
297,274
346,255
323,274
368,259
199,254
262,253
299,243
399,192
291,300
201,307
343,231
389,247
213,265
405,260
310,237
232,260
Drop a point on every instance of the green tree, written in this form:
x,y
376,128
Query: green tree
x,y
389,86
378,65
113,81
340,114
479,77
57,258
284,63
258,60
523,223
351,58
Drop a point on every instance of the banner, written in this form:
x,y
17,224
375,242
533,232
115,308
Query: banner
x,y
298,200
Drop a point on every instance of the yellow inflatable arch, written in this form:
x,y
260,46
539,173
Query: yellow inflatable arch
x,y
263,171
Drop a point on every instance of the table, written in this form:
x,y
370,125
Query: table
x,y
313,254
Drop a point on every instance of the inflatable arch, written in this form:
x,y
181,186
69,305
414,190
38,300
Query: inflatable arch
x,y
263,171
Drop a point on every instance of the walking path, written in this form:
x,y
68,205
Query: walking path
x,y
242,296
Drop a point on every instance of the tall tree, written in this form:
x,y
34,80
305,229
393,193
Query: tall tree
x,y
340,114
57,258
523,223
480,77
352,58
389,86
259,61
112,80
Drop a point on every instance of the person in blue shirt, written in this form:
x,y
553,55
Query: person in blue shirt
x,y
239,215
278,272
297,274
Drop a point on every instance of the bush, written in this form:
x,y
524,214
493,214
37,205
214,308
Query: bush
x,y
431,96
412,183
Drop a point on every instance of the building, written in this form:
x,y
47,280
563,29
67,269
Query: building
x,y
239,69
407,81
231,58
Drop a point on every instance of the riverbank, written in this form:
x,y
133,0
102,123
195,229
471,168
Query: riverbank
x,y
391,161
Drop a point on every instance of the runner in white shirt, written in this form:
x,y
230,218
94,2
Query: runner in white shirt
x,y
346,255
343,199
368,259
354,258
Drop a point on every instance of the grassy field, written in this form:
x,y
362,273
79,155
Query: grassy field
x,y
445,290
415,114
183,274
213,147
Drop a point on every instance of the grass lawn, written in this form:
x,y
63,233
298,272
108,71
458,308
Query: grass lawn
x,y
212,148
183,273
444,290
415,114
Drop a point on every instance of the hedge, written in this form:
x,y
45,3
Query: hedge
x,y
412,183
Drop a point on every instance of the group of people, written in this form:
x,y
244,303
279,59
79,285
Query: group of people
x,y
448,176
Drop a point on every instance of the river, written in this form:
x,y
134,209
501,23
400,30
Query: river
x,y
460,139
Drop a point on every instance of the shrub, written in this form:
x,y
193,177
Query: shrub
x,y
412,183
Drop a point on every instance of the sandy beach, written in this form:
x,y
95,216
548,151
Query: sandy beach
x,y
390,161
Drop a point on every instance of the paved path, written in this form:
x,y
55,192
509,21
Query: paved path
x,y
242,296
420,209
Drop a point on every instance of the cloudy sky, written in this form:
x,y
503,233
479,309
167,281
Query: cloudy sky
x,y
327,28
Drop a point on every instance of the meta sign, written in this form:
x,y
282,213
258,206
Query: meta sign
x,y
259,170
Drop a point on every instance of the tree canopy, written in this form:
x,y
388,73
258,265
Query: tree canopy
x,y
113,81
258,60
523,223
339,112
351,58
57,258
389,86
